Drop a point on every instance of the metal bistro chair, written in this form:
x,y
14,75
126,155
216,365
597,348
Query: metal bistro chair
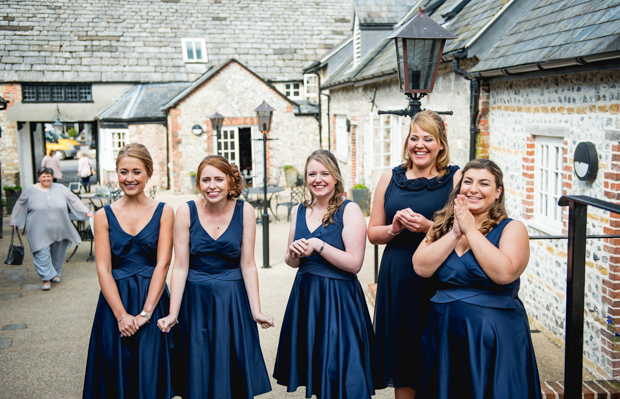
x,y
296,196
153,192
74,187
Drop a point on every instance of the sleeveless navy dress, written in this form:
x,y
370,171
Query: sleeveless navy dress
x,y
138,366
326,338
217,348
477,341
403,298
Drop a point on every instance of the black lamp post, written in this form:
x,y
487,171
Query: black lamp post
x,y
264,113
217,121
3,103
419,46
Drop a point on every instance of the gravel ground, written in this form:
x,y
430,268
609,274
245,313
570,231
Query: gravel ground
x,y
47,358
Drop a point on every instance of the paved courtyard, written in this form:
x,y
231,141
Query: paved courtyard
x,y
44,335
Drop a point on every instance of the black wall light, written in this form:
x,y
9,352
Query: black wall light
x,y
585,161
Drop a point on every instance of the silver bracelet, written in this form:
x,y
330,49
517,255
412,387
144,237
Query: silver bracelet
x,y
454,235
322,246
119,320
392,234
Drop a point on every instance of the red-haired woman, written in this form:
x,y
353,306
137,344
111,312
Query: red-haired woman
x,y
214,291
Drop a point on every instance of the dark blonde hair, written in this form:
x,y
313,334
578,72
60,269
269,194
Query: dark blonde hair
x,y
444,218
432,123
138,151
329,160
235,181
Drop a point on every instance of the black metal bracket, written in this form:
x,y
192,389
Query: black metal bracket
x,y
415,106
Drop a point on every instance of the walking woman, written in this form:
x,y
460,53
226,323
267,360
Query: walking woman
x,y
326,338
477,342
128,357
84,170
42,208
214,287
405,200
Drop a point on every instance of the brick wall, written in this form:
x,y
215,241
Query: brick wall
x,y
8,143
153,136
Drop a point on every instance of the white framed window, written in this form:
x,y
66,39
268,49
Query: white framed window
x,y
228,144
311,86
386,141
194,50
118,142
292,90
548,166
112,140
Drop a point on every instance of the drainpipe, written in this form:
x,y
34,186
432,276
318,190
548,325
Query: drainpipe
x,y
474,101
320,116
329,130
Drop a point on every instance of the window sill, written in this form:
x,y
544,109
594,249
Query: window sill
x,y
544,227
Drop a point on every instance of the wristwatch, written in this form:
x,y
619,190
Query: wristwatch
x,y
145,315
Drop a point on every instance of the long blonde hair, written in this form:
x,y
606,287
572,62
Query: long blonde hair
x,y
432,123
329,160
444,218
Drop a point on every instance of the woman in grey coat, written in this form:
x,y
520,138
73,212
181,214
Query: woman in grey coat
x,y
42,208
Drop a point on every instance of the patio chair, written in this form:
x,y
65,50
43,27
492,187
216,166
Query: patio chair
x,y
296,196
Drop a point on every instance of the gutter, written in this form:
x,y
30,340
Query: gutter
x,y
474,101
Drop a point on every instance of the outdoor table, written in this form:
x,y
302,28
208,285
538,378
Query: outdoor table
x,y
259,192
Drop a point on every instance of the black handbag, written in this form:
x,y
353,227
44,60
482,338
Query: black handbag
x,y
16,252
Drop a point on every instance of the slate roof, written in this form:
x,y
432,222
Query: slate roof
x,y
558,29
143,102
140,41
381,11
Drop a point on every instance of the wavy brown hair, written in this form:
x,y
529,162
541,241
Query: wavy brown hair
x,y
235,181
138,151
430,122
329,160
444,218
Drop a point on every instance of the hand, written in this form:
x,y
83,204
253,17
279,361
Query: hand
x,y
264,320
456,228
314,245
397,226
412,221
298,249
462,215
167,323
128,326
141,320
91,214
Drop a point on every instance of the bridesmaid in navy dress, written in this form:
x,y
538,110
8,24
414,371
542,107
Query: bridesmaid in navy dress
x,y
214,287
128,357
326,338
405,200
477,340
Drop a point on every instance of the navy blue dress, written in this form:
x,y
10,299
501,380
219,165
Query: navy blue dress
x,y
217,348
326,338
403,298
477,340
136,366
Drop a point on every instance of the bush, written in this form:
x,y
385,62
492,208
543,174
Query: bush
x,y
359,186
72,132
12,188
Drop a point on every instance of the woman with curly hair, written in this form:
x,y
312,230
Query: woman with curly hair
x,y
214,291
477,341
326,338
405,200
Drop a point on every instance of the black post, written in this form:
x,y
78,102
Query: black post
x,y
575,283
376,263
265,216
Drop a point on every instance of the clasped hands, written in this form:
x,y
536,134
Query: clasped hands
x,y
463,218
410,220
303,248
129,325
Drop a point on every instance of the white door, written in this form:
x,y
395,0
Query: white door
x,y
228,145
257,157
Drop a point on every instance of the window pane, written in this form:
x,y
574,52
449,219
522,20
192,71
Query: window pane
x,y
58,93
190,50
198,48
29,93
387,147
44,93
85,93
296,86
226,146
71,93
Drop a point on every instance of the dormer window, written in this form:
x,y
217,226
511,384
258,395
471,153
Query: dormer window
x,y
292,90
194,50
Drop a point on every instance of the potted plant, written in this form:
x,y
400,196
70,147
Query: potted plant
x,y
361,196
11,193
290,173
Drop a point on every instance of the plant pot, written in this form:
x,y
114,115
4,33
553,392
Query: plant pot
x,y
361,196
291,177
11,197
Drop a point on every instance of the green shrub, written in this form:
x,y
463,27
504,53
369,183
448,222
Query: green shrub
x,y
359,186
12,188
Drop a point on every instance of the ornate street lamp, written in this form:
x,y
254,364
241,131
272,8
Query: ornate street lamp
x,y
3,103
217,121
419,45
58,125
264,112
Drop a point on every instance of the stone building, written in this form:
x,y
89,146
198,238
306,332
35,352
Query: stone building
x,y
74,61
527,82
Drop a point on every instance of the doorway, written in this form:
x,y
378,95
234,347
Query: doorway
x,y
235,144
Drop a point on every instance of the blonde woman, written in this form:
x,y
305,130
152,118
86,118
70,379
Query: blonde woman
x,y
326,338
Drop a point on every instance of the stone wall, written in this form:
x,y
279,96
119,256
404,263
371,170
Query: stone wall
x,y
577,108
235,93
8,143
154,137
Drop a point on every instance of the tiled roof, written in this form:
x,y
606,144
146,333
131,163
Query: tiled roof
x,y
381,11
558,29
143,102
140,41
